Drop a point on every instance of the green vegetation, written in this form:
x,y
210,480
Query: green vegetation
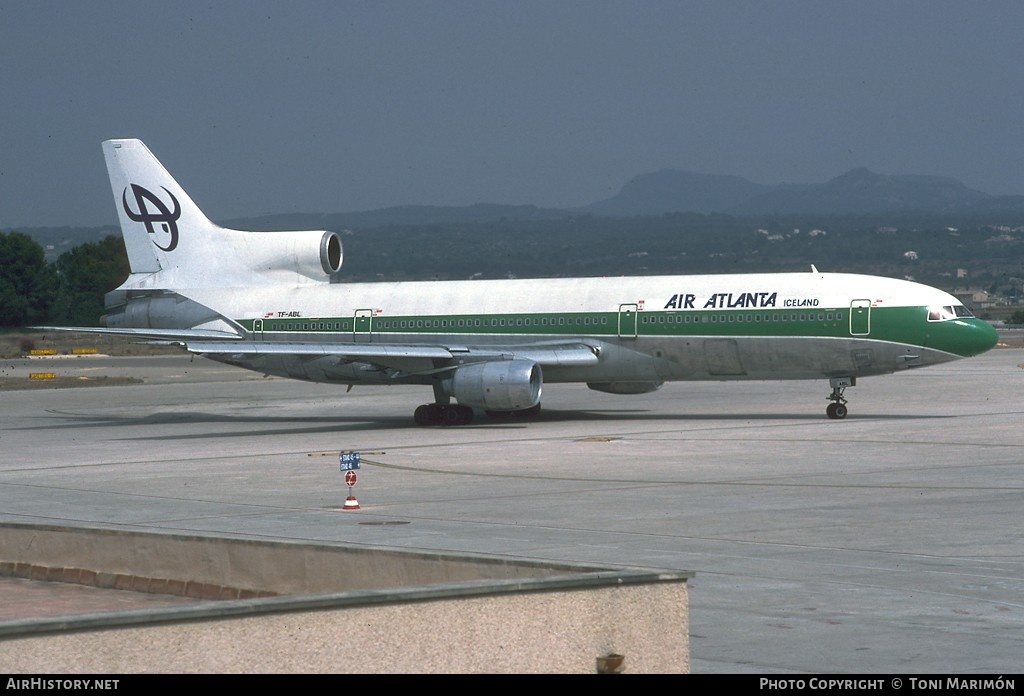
x,y
69,291
27,282
86,273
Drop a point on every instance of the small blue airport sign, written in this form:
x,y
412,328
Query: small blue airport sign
x,y
349,460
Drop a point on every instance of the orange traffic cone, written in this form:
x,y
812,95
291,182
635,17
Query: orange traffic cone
x,y
350,503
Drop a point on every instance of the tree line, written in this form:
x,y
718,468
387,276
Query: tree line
x,y
68,291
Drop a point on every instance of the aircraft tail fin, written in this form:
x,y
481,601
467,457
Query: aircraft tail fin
x,y
165,232
152,208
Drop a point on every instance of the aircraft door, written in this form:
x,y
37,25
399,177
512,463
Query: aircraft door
x,y
860,317
257,329
362,326
627,320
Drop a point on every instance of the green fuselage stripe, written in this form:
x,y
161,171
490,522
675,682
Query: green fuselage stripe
x,y
903,324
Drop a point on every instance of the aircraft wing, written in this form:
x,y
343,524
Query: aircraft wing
x,y
214,342
544,354
348,351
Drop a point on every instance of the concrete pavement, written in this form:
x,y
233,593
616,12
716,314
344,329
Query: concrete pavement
x,y
889,542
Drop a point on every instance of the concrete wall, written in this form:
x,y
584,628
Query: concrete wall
x,y
340,610
223,568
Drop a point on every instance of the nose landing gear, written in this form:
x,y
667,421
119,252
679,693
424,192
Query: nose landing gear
x,y
837,409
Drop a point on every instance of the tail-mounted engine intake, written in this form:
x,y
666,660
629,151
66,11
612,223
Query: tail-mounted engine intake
x,y
314,254
505,385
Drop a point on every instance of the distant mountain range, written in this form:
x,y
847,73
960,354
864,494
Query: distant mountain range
x,y
859,191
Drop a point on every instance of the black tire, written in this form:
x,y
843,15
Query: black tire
x,y
528,413
451,415
425,415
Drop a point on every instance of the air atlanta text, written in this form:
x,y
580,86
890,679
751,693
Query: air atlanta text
x,y
722,300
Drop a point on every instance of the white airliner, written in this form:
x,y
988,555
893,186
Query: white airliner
x,y
265,301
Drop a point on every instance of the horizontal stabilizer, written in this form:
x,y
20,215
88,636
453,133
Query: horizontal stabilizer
x,y
179,335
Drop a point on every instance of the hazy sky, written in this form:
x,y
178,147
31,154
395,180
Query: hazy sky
x,y
273,107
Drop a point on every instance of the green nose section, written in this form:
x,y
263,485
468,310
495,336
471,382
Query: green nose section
x,y
973,337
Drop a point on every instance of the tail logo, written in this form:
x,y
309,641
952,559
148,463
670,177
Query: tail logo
x,y
168,220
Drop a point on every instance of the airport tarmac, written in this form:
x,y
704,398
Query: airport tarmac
x,y
890,542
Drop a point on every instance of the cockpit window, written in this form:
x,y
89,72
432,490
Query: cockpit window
x,y
948,312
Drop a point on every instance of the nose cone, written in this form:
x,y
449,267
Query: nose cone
x,y
962,337
975,337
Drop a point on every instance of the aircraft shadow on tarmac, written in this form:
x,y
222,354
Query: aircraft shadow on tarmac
x,y
301,425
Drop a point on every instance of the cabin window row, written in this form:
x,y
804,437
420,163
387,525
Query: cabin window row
x,y
443,323
732,318
382,324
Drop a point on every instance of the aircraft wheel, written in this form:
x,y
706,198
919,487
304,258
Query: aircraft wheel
x,y
528,413
836,411
443,414
425,415
450,415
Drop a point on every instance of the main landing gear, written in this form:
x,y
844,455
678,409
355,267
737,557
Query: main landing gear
x,y
442,411
454,414
443,414
837,409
